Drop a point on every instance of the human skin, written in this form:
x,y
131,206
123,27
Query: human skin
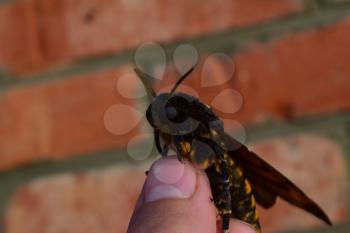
x,y
176,199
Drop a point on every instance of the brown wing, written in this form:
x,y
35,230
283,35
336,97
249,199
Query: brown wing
x,y
268,183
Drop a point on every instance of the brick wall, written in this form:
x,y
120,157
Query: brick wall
x,y
70,162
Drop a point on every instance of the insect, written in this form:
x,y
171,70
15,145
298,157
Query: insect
x,y
238,177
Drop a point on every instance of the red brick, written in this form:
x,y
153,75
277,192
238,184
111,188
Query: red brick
x,y
268,76
19,38
102,201
88,202
31,35
62,118
300,74
57,31
156,21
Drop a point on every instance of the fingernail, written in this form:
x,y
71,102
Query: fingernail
x,y
169,178
240,226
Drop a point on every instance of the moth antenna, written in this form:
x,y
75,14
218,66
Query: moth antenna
x,y
142,76
181,79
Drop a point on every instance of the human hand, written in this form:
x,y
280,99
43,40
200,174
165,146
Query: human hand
x,y
176,198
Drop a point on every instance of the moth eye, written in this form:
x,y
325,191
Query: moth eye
x,y
171,112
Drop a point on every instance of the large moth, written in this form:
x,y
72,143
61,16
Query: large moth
x,y
238,177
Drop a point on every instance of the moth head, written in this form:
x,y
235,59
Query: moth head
x,y
167,111
167,108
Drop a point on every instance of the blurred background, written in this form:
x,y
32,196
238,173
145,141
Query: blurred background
x,y
74,144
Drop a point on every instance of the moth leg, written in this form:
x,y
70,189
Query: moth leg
x,y
165,151
157,141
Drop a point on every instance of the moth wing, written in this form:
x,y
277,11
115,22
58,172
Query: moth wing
x,y
268,183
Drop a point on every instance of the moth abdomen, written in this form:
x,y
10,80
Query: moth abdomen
x,y
243,203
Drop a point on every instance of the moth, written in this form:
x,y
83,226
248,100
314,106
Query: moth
x,y
238,177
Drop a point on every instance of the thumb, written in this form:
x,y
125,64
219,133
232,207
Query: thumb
x,y
175,198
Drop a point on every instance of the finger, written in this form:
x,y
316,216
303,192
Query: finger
x,y
175,198
236,226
